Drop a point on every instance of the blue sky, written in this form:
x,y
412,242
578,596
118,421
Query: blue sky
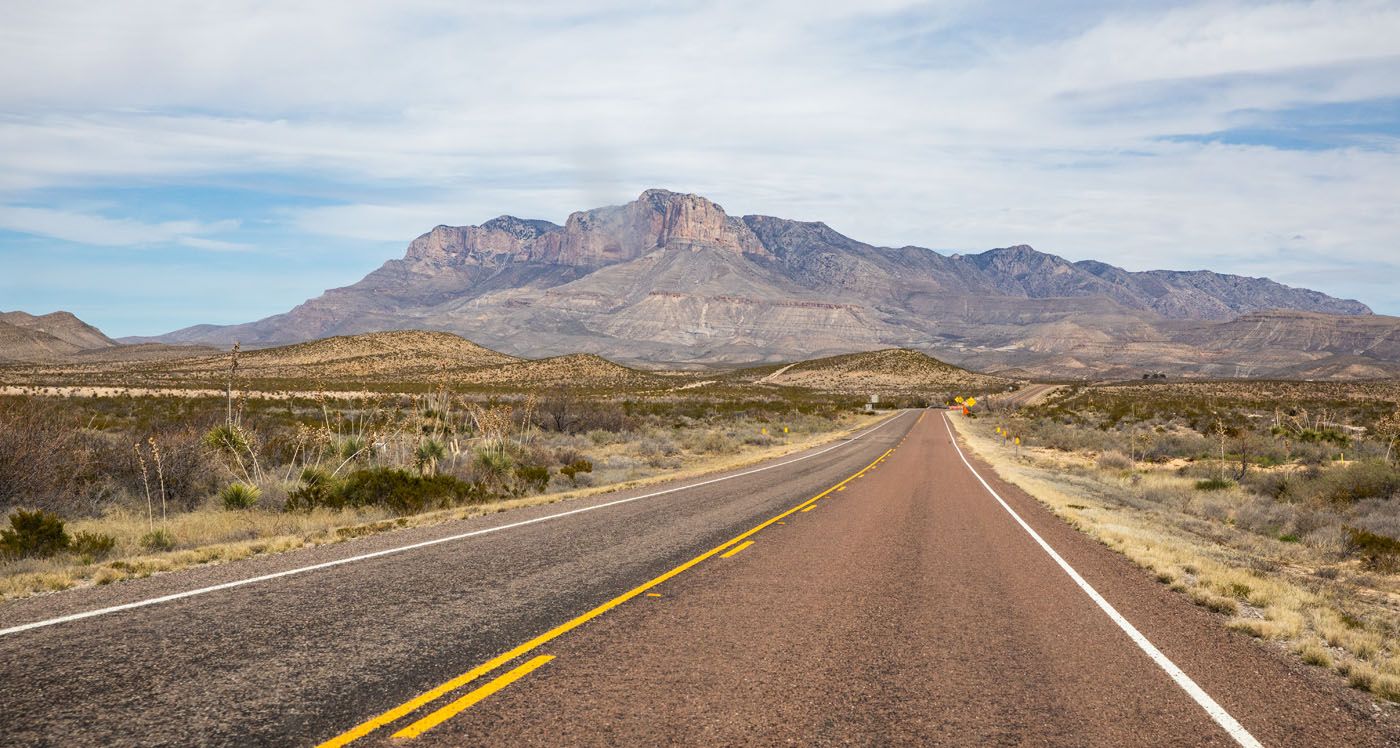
x,y
164,164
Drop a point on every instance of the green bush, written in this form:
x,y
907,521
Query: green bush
x,y
239,496
316,489
92,545
531,478
158,539
1214,484
36,534
404,492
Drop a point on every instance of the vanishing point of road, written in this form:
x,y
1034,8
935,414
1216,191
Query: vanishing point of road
x,y
886,589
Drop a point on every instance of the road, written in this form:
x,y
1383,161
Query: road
x,y
873,592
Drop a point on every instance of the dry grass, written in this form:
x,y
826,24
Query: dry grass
x,y
1332,614
209,536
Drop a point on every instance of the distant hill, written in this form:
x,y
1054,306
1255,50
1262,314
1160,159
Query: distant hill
x,y
61,325
885,372
27,337
672,280
407,358
61,336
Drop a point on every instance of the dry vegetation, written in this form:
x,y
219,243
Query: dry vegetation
x,y
1276,504
139,485
125,468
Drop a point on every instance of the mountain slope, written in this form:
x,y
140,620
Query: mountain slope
x,y
672,279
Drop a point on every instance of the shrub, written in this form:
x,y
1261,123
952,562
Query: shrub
x,y
36,534
1214,484
1366,480
158,539
92,545
315,490
239,496
403,492
531,478
714,442
1377,552
572,470
1114,461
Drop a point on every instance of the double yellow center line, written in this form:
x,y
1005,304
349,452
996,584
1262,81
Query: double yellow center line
x,y
427,697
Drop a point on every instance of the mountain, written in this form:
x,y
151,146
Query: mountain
x,y
61,336
672,279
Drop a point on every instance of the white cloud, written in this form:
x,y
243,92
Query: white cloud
x,y
107,232
896,122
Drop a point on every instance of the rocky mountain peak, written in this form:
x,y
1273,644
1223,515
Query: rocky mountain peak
x,y
520,228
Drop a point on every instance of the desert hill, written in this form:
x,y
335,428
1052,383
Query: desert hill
x,y
61,336
671,280
883,372
28,337
407,358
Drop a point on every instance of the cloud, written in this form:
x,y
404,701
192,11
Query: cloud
x,y
1112,131
107,232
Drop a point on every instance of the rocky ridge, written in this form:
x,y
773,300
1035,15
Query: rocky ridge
x,y
671,279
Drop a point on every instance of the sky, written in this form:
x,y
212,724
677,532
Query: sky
x,y
164,164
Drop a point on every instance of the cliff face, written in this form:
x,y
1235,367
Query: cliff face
x,y
671,278
592,238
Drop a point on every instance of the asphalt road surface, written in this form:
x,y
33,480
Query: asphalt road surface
x,y
872,592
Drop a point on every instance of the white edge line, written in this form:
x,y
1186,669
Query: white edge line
x,y
1198,694
424,544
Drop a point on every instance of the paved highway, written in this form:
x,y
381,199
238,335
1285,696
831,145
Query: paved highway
x,y
882,590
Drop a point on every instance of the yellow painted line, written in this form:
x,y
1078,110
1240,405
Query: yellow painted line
x,y
809,508
412,705
653,594
742,546
841,488
466,702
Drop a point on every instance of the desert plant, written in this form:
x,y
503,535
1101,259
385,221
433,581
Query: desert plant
x,y
531,478
427,455
160,473
92,545
1114,461
572,470
36,534
316,489
1377,552
158,539
403,492
1214,484
239,496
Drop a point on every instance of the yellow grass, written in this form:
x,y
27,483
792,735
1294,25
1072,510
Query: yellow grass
x,y
1265,588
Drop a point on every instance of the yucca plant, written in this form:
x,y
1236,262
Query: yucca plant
x,y
427,456
239,496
